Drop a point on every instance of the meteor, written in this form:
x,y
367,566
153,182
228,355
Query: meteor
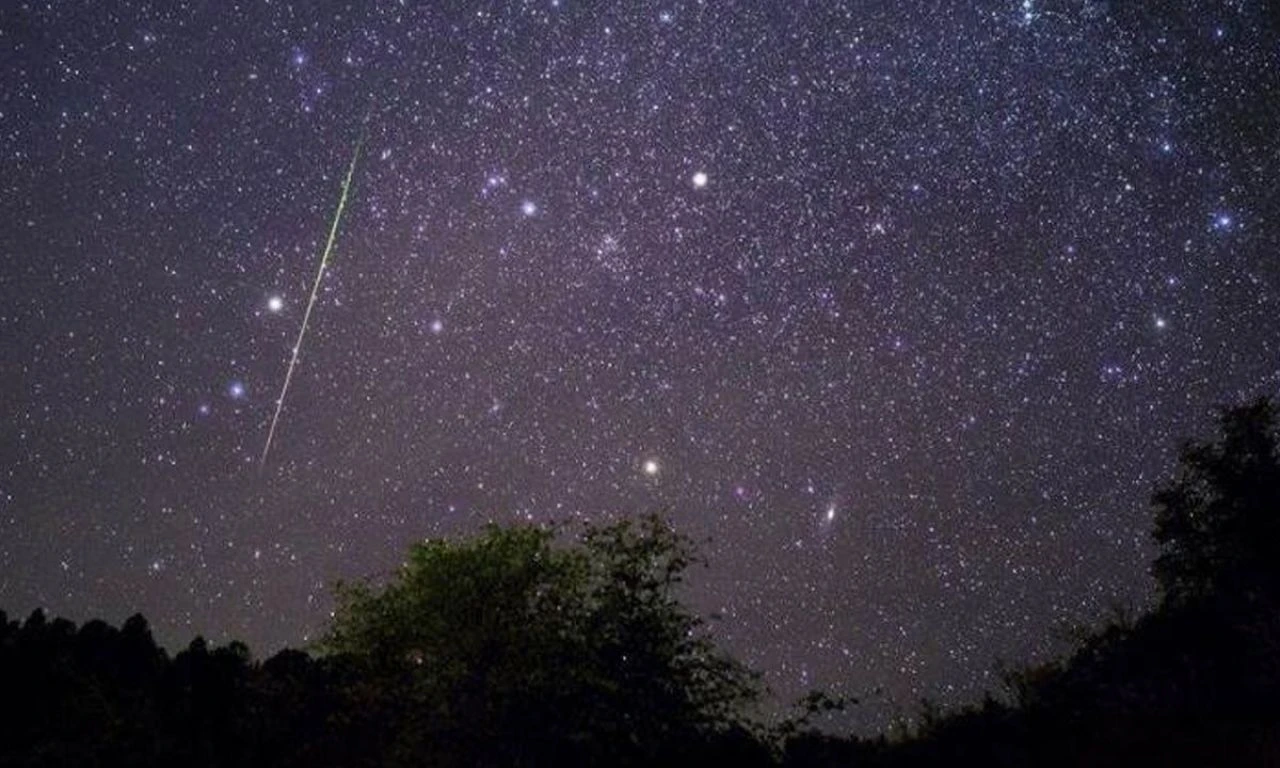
x,y
311,302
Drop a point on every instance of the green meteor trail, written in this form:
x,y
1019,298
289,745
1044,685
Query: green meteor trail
x,y
311,302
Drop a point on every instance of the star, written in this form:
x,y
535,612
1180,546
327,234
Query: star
x,y
275,304
1029,12
492,183
650,467
529,208
699,180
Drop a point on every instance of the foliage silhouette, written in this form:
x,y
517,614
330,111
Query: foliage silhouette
x,y
1218,523
1195,681
520,648
507,649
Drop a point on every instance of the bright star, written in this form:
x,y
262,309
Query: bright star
x,y
236,390
275,304
492,182
1029,12
699,180
650,467
529,208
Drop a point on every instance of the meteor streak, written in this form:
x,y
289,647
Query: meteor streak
x,y
311,302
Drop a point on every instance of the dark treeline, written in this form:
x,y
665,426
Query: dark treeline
x,y
514,648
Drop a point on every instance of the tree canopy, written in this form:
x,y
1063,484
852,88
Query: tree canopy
x,y
514,648
1218,522
524,646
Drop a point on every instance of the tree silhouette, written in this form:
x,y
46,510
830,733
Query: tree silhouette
x,y
1195,681
510,649
1218,522
521,647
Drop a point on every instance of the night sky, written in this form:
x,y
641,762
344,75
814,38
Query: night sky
x,y
904,306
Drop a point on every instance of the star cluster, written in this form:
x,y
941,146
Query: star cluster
x,y
903,309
